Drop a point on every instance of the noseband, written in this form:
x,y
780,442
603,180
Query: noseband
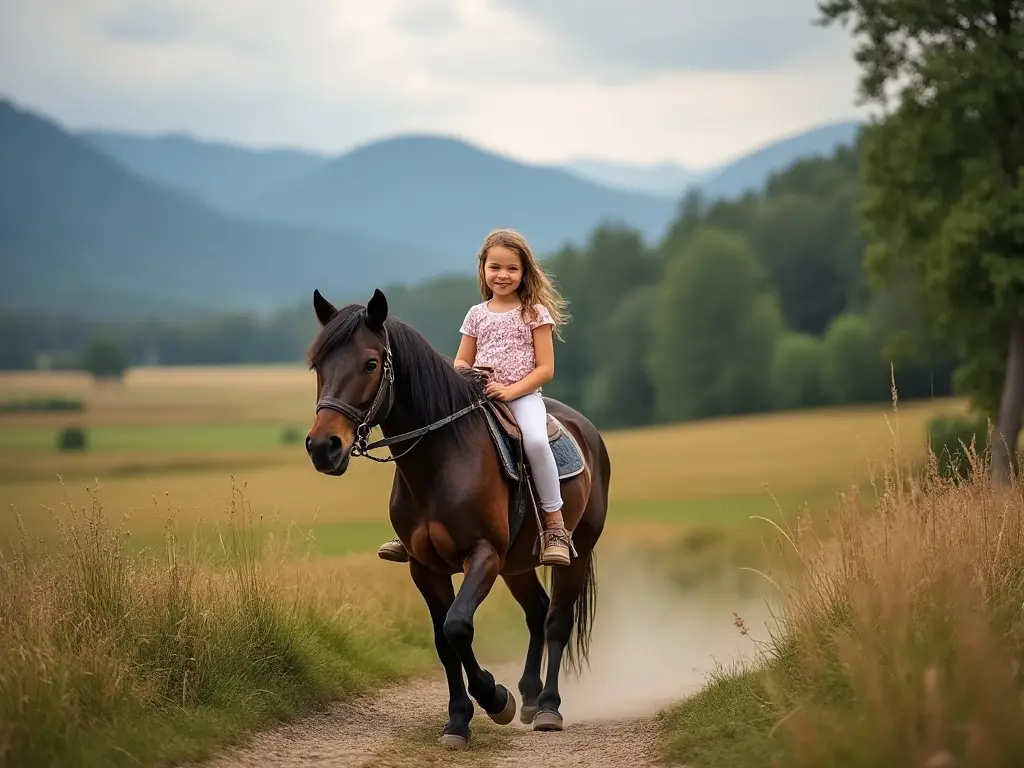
x,y
375,414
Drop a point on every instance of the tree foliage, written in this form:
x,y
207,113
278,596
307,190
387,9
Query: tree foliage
x,y
104,359
944,174
714,330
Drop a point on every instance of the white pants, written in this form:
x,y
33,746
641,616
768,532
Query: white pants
x,y
531,415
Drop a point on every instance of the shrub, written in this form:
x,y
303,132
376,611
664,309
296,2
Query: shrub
x,y
290,436
73,438
949,438
54,404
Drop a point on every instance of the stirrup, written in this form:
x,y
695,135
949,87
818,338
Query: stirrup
x,y
393,551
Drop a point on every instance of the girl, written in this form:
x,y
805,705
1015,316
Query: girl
x,y
511,332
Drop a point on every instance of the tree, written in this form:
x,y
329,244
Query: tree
x,y
714,328
104,358
620,393
810,256
944,172
594,280
855,371
797,375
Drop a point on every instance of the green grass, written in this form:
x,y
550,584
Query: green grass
x,y
726,725
163,438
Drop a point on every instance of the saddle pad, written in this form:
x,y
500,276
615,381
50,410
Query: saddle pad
x,y
568,456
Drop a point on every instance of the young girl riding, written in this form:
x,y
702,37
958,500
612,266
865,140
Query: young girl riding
x,y
511,332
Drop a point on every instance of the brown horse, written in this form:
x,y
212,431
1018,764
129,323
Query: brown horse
x,y
453,504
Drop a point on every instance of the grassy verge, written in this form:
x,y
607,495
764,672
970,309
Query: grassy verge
x,y
108,657
898,642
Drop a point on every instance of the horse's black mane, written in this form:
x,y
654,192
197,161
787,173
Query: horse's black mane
x,y
425,381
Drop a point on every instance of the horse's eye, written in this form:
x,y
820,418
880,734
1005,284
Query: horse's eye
x,y
370,366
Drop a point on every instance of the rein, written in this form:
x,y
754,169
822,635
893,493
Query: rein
x,y
368,419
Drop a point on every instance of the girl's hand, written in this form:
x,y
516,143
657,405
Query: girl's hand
x,y
496,391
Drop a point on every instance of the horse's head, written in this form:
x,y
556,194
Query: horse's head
x,y
354,378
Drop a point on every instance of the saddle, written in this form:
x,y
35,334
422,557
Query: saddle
x,y
508,440
507,422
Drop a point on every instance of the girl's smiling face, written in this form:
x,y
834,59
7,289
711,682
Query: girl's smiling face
x,y
503,271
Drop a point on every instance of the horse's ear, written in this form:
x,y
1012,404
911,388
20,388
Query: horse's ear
x,y
376,310
323,308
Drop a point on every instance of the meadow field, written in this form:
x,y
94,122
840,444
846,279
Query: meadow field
x,y
192,535
175,438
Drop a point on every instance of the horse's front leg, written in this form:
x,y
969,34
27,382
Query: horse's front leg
x,y
481,571
439,594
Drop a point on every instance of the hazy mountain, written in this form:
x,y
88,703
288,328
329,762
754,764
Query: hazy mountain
x,y
748,172
442,191
225,176
448,194
664,179
80,232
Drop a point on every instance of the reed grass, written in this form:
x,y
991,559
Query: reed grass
x,y
114,658
897,640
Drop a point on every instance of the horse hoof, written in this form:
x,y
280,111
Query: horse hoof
x,y
547,721
509,712
526,714
453,741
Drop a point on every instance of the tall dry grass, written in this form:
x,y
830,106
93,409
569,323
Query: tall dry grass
x,y
108,657
899,636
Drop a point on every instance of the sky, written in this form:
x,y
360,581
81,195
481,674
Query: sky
x,y
641,81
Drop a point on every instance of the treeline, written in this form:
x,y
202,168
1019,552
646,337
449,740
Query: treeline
x,y
747,305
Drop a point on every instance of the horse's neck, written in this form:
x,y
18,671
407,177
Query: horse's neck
x,y
403,419
416,464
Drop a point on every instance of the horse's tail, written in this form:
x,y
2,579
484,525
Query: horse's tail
x,y
577,651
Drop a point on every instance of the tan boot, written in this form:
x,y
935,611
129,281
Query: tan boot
x,y
394,551
554,543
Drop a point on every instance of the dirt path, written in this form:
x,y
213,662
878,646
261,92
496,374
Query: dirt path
x,y
651,647
400,727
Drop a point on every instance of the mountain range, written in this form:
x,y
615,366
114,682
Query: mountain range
x,y
104,222
745,174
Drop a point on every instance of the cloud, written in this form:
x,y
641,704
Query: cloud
x,y
624,38
147,22
632,81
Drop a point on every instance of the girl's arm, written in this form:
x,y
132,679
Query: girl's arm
x,y
466,355
544,349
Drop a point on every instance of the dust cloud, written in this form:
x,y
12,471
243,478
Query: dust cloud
x,y
653,644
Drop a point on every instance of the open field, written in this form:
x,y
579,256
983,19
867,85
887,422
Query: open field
x,y
178,436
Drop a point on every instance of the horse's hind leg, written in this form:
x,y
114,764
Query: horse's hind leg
x,y
572,593
481,571
439,594
529,593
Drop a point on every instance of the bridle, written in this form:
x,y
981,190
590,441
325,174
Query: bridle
x,y
371,417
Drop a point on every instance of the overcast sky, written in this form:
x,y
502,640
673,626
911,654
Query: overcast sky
x,y
692,81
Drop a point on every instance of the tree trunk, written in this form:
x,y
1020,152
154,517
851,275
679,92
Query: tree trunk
x,y
1011,406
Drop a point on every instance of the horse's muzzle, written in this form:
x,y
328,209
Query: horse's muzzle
x,y
328,455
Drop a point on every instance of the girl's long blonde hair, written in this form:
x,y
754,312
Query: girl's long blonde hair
x,y
534,288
